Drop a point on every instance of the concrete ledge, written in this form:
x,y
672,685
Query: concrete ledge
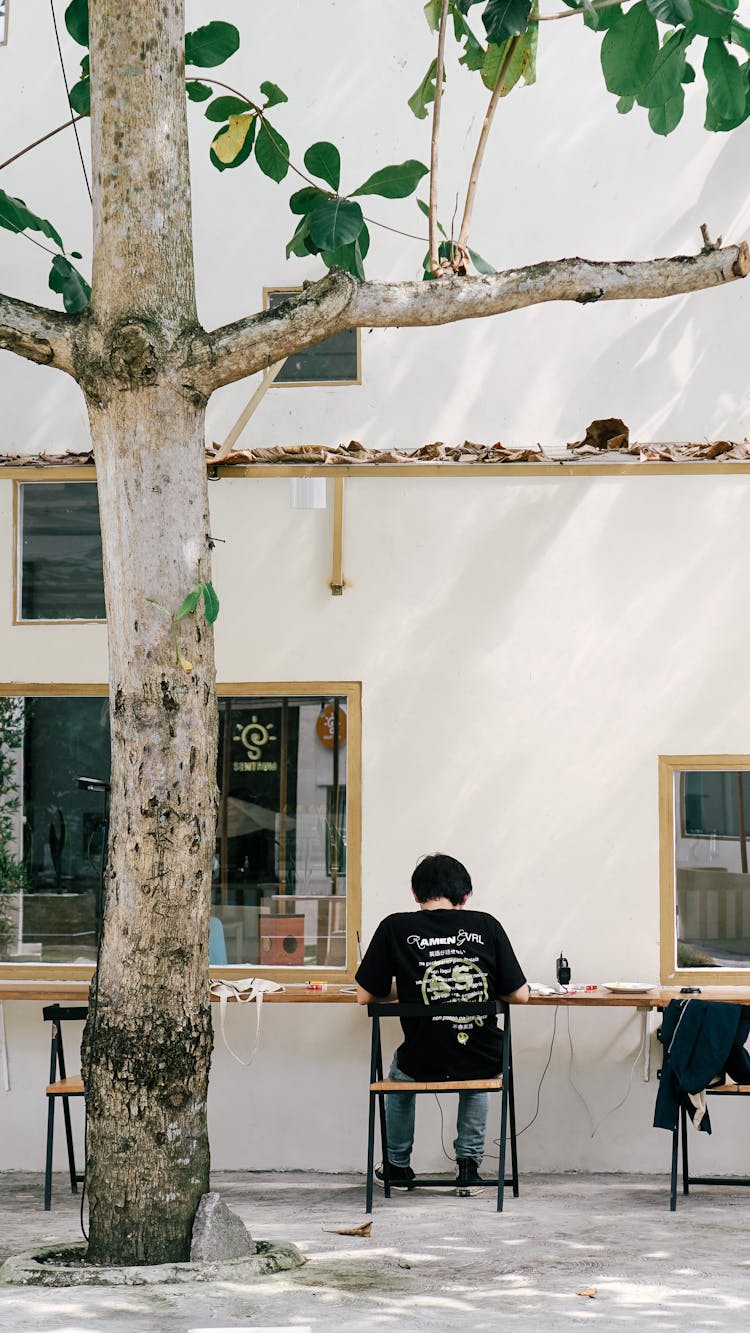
x,y
35,1269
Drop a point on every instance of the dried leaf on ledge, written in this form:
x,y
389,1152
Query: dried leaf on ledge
x,y
363,1230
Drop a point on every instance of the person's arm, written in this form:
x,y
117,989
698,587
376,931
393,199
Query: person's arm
x,y
366,997
520,996
374,976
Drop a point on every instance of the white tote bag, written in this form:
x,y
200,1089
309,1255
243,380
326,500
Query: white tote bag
x,y
243,991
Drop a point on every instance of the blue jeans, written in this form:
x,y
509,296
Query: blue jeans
x,y
399,1120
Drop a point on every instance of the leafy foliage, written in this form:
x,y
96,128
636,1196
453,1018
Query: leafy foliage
x,y
63,278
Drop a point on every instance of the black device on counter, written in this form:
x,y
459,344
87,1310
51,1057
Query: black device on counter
x,y
562,970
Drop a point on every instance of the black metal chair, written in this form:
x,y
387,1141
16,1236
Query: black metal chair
x,y
62,1086
679,1140
380,1087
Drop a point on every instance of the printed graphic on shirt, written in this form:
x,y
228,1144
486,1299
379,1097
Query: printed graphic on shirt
x,y
452,977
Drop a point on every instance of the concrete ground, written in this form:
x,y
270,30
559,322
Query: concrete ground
x,y
573,1251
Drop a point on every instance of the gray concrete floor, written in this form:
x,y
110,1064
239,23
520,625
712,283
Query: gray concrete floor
x,y
433,1262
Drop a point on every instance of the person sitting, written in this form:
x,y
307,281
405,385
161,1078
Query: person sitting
x,y
441,952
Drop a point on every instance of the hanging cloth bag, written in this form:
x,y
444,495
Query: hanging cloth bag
x,y
243,991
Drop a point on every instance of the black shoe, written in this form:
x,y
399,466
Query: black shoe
x,y
400,1177
468,1180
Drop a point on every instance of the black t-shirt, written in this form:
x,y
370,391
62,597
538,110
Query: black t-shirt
x,y
443,955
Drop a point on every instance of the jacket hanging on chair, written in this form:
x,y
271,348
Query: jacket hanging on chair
x,y
704,1041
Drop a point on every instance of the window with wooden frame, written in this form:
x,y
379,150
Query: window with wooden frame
x,y
58,567
285,883
334,361
704,803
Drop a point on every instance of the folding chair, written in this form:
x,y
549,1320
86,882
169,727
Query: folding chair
x,y
679,1139
380,1086
63,1086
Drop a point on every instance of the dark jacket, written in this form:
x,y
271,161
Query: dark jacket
x,y
704,1040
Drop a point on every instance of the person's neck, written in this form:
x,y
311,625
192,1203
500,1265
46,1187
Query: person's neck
x,y
435,904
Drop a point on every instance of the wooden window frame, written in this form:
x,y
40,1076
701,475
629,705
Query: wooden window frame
x,y
313,384
17,618
352,692
670,973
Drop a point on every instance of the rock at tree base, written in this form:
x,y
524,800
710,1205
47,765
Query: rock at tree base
x,y
218,1233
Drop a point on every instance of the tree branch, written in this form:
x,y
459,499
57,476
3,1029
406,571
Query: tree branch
x,y
340,302
476,166
434,142
38,334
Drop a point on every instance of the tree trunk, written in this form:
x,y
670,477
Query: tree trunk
x,y
148,1039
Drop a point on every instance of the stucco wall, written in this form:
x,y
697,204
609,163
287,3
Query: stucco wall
x,y
527,647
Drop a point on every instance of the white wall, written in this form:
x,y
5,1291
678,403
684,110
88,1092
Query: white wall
x,y
527,648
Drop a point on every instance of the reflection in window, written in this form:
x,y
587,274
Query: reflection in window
x,y
335,360
280,873
280,876
60,552
712,809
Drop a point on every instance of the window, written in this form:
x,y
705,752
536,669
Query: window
x,y
59,552
705,884
285,885
335,360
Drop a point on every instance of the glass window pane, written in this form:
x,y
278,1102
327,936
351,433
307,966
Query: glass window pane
x,y
712,810
334,360
61,552
280,873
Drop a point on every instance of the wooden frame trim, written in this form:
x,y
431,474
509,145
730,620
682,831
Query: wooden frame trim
x,y
313,384
16,617
352,691
670,973
564,469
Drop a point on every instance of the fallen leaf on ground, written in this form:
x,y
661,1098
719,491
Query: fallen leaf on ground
x,y
363,1230
587,1291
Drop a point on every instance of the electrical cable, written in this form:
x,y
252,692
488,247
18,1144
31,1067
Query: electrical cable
x,y
519,1132
67,94
572,1081
623,1099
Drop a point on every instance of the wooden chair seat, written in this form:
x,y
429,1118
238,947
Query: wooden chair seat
x,y
66,1087
442,1085
741,1089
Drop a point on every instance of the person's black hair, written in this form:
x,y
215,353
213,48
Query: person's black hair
x,y
440,876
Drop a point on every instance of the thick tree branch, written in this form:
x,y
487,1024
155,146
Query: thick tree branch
x,y
41,335
340,302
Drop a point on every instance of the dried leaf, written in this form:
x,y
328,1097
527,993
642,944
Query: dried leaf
x,y
363,1230
608,433
588,1291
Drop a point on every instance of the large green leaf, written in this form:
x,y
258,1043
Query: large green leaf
x,y
273,94
473,54
664,119
522,63
349,257
271,152
673,12
625,104
77,21
80,97
505,18
188,604
198,92
727,86
740,34
210,602
601,19
67,281
629,50
223,107
425,93
15,216
211,45
297,244
334,223
324,161
664,79
394,182
306,199
710,19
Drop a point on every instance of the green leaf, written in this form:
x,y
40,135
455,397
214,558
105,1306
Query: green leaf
x,y
77,21
480,264
271,152
625,104
727,87
664,79
673,12
67,281
334,223
394,182
505,18
160,605
473,55
740,34
445,249
297,244
244,152
323,160
189,603
223,107
688,74
629,50
710,20
425,208
350,257
424,94
198,92
664,119
306,199
522,63
210,602
601,19
211,45
432,14
15,216
80,97
273,94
